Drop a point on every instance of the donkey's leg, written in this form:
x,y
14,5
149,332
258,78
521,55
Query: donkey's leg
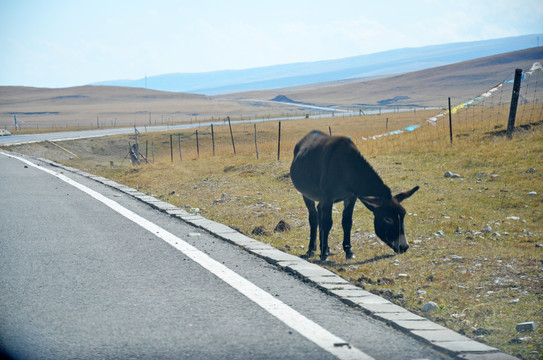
x,y
325,224
313,226
347,223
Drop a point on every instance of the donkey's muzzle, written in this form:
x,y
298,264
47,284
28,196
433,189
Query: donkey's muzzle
x,y
401,245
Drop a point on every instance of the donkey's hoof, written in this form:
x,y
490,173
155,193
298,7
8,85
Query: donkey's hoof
x,y
349,255
307,255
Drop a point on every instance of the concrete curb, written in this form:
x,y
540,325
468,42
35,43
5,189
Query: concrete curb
x,y
420,328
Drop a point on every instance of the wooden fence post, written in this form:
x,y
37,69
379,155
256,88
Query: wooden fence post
x,y
171,148
133,154
179,141
146,148
213,139
279,142
256,145
231,134
514,103
197,145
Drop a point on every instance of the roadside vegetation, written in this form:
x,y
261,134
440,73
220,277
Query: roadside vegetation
x,y
476,238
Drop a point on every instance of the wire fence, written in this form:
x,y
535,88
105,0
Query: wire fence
x,y
484,113
489,109
373,132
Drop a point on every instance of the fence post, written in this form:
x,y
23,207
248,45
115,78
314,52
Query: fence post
x,y
171,148
146,148
279,142
450,122
179,141
256,144
231,134
197,145
514,103
213,139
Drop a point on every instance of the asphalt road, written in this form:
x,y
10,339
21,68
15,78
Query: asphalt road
x,y
70,135
80,280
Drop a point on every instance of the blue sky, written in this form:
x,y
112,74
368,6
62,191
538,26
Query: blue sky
x,y
59,43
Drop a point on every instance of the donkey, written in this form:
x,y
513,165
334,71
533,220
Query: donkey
x,y
328,169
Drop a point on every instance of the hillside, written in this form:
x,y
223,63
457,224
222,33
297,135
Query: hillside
x,y
287,75
92,106
115,106
429,87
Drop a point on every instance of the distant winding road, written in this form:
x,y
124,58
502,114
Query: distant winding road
x,y
69,135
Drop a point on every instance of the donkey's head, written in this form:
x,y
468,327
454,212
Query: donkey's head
x,y
388,221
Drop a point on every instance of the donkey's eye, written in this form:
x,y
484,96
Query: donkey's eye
x,y
389,220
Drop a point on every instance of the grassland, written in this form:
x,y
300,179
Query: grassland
x,y
90,107
476,241
85,107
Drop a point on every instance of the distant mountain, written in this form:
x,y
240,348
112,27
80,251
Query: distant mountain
x,y
288,75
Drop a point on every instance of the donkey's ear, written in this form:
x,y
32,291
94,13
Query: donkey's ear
x,y
406,194
372,202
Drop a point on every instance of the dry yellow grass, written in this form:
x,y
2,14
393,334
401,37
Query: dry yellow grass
x,y
109,106
483,282
84,107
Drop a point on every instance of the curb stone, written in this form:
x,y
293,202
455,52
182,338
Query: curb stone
x,y
420,328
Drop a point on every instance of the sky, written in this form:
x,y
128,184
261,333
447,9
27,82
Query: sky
x,y
62,43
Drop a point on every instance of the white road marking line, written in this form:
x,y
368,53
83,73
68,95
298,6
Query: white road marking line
x,y
304,326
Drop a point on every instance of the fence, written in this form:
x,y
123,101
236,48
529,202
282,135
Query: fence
x,y
489,109
88,120
486,113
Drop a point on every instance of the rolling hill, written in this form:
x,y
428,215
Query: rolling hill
x,y
116,106
287,75
429,87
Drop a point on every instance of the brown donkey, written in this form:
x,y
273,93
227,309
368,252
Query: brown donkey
x,y
328,169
